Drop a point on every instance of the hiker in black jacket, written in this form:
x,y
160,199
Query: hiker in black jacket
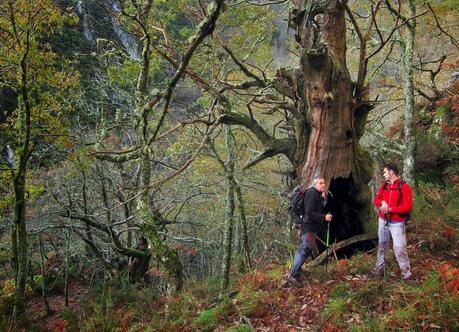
x,y
313,217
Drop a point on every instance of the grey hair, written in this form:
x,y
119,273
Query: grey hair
x,y
316,179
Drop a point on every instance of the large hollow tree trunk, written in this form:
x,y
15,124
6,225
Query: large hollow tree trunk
x,y
328,92
328,115
332,121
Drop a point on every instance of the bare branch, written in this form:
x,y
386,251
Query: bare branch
x,y
244,69
117,156
278,146
355,239
453,40
206,28
354,23
257,3
234,118
393,31
194,76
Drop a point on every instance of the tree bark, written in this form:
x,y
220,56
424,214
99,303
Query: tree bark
x,y
332,117
168,257
327,114
19,236
67,263
85,208
138,266
408,91
340,245
328,97
243,227
44,286
230,206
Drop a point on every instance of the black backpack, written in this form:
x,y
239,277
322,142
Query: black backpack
x,y
296,205
406,215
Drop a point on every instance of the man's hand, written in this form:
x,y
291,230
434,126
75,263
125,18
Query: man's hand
x,y
328,217
385,208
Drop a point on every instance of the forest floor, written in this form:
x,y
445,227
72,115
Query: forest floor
x,y
340,297
53,321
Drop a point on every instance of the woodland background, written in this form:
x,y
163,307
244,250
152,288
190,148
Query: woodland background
x,y
173,121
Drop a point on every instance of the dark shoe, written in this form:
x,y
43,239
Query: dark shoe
x,y
303,273
377,275
294,282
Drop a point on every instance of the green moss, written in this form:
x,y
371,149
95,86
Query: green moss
x,y
276,272
361,263
373,325
452,210
206,320
240,328
248,304
334,310
340,290
403,314
71,317
166,256
365,162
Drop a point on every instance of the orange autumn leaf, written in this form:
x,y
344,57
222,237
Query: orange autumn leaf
x,y
449,232
450,276
342,264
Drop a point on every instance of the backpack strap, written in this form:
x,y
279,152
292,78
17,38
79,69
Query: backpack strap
x,y
384,186
400,184
399,188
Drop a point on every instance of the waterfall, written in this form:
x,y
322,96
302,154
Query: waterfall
x,y
128,40
8,154
281,56
87,32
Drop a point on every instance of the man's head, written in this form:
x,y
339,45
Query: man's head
x,y
390,172
320,184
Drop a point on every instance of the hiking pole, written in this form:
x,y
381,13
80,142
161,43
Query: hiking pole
x,y
328,241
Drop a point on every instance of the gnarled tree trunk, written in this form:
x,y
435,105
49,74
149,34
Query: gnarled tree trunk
x,y
327,113
330,116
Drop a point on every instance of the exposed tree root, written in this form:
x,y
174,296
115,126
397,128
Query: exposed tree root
x,y
340,245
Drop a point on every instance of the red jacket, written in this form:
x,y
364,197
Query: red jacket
x,y
391,196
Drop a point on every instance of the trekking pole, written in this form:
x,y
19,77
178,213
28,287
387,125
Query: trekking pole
x,y
327,243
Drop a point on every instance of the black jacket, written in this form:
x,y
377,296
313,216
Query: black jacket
x,y
314,214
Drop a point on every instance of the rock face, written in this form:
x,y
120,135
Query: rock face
x,y
98,22
128,40
85,20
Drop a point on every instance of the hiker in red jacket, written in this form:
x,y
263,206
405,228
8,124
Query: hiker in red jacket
x,y
395,200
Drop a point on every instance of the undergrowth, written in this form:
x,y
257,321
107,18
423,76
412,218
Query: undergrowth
x,y
339,297
429,301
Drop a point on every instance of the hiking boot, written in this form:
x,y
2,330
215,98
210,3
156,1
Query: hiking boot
x,y
406,275
303,273
294,282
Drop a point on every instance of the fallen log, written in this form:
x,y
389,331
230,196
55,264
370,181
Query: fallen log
x,y
340,245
